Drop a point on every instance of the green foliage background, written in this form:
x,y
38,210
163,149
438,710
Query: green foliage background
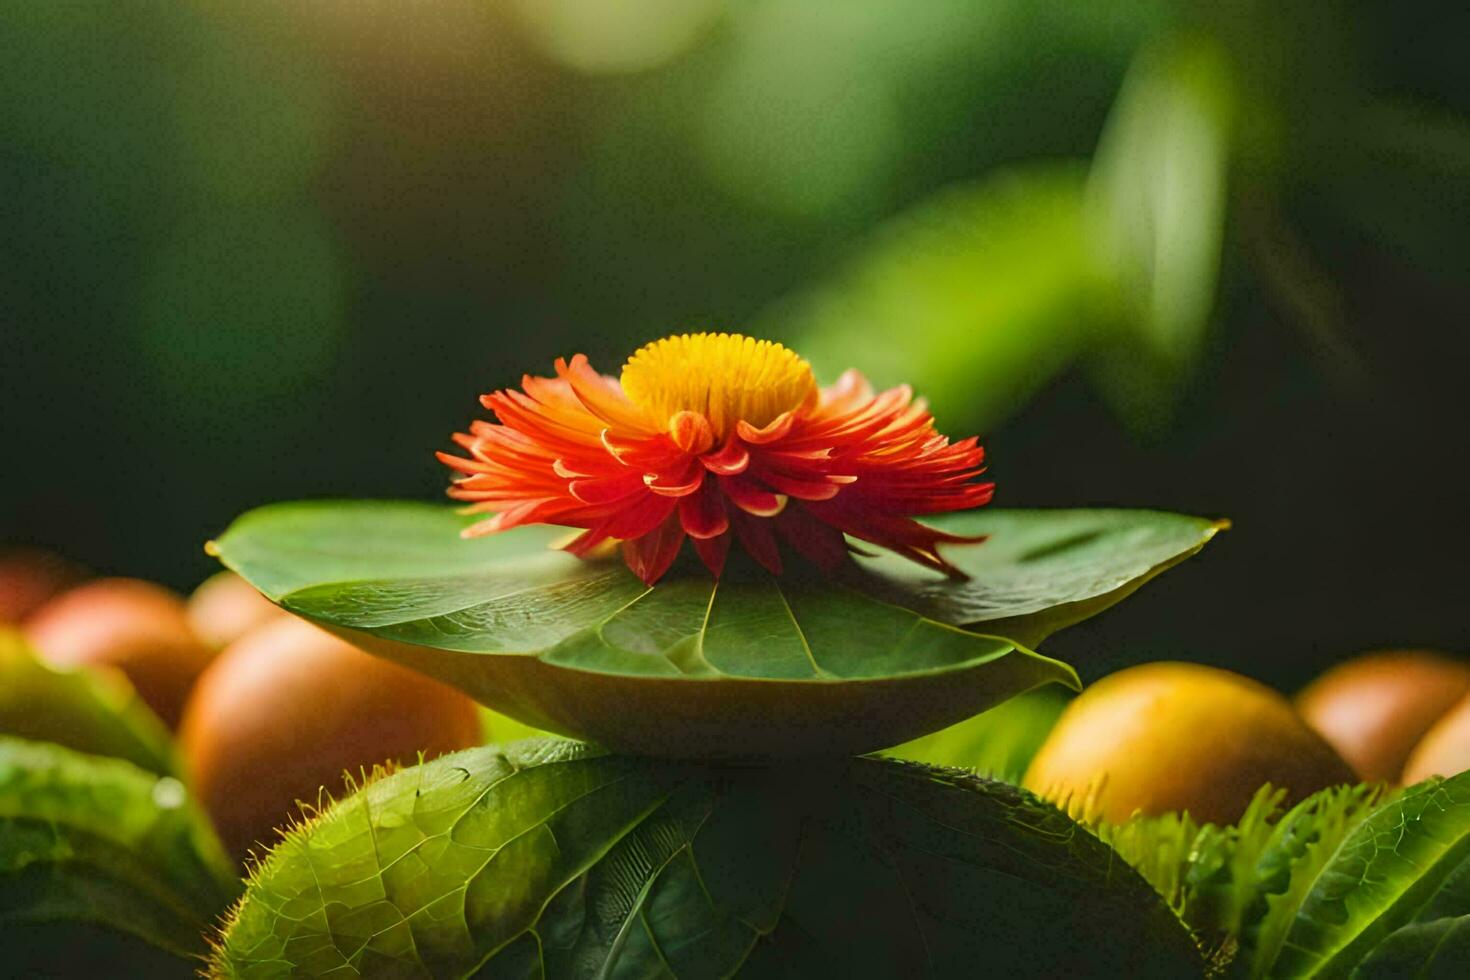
x,y
1202,257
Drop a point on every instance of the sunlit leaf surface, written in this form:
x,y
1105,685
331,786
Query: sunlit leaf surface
x,y
1156,203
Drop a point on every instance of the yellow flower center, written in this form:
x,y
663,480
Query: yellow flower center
x,y
726,377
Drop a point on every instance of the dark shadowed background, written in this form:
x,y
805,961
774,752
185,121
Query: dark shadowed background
x,y
1212,259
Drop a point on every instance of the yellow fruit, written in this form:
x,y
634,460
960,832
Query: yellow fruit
x,y
138,627
1445,748
287,708
1173,736
1375,708
225,607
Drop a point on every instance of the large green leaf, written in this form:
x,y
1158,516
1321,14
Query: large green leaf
x,y
87,710
94,850
548,859
1402,861
747,667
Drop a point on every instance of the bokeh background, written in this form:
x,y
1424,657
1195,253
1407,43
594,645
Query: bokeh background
x,y
1206,257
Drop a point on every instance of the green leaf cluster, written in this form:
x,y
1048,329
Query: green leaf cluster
x,y
1353,881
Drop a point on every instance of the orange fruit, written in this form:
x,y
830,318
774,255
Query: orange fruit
x,y
1375,708
1164,737
136,626
225,607
287,708
1445,748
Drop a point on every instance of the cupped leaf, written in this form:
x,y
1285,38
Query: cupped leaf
x,y
88,710
749,666
95,847
548,859
1405,858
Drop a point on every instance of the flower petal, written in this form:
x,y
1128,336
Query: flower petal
x,y
713,552
774,431
728,460
819,543
691,432
637,519
605,490
703,513
651,555
679,482
756,537
751,497
602,396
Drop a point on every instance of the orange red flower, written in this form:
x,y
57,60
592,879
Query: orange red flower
x,y
716,438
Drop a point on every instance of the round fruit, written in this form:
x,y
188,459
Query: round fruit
x,y
1445,748
225,607
1173,736
1375,708
286,709
138,627
28,577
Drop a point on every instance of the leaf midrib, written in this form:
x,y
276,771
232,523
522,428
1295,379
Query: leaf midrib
x,y
1428,880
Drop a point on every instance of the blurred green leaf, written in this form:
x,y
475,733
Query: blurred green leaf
x,y
91,844
978,296
1156,202
94,711
998,743
548,859
605,37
